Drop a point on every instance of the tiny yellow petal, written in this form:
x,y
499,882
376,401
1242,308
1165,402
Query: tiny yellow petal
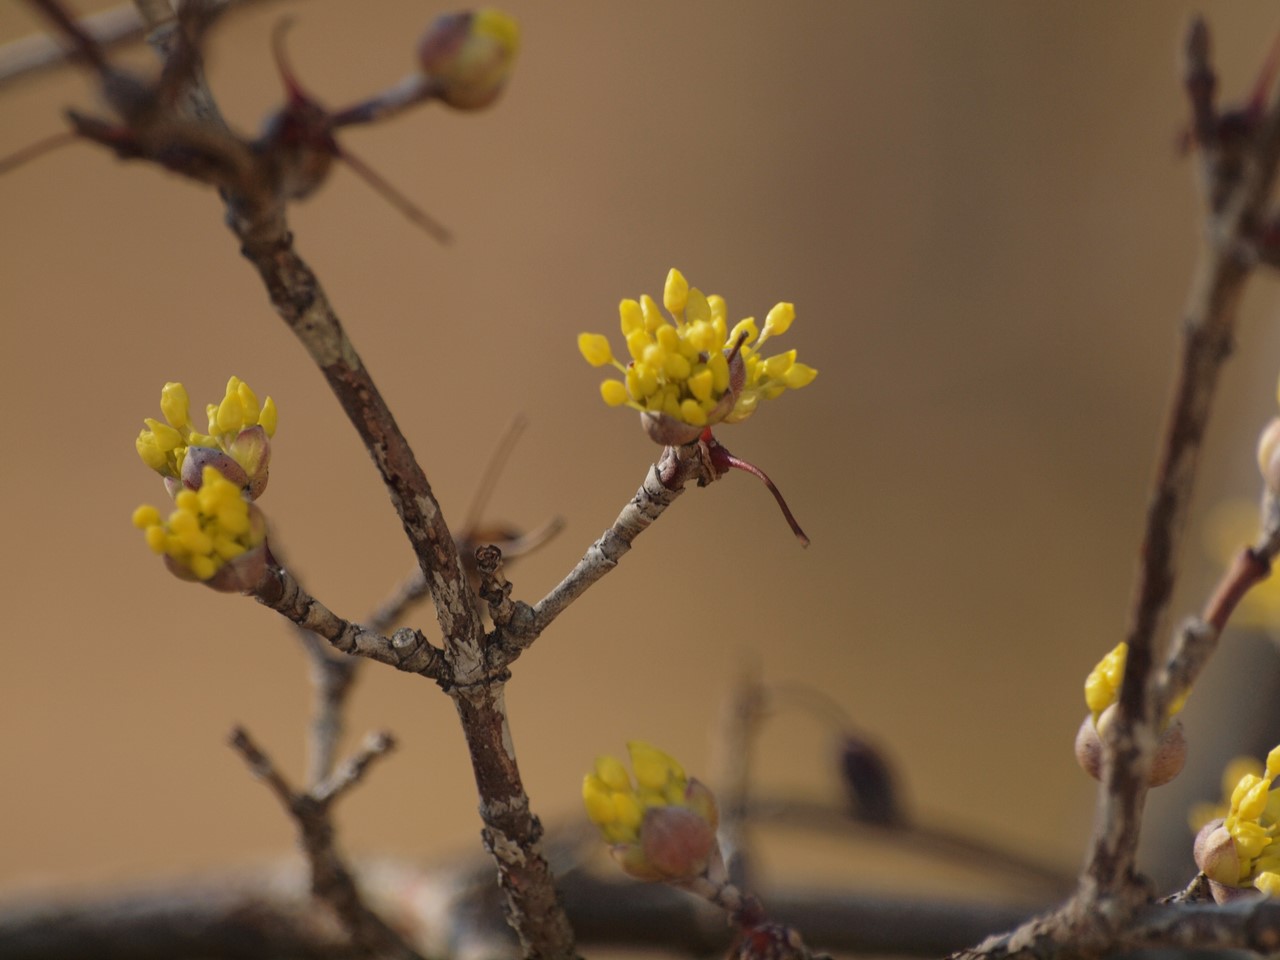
x,y
653,318
1268,883
1273,763
632,317
166,436
156,538
775,367
799,375
612,773
248,403
1254,801
627,812
692,413
230,414
598,801
594,348
677,367
267,418
614,392
638,343
701,383
145,516
150,451
675,293
174,404
779,320
653,767
203,567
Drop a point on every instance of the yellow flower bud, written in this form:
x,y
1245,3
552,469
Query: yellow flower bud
x,y
469,55
614,392
778,320
675,293
267,418
174,404
594,348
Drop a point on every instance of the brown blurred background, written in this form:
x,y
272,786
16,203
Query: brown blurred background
x,y
981,216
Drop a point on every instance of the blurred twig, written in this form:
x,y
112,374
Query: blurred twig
x,y
332,882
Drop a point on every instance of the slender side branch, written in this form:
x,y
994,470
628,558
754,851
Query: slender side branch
x,y
664,482
332,676
406,649
331,881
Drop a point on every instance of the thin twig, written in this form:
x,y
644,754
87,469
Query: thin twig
x,y
662,485
333,676
406,649
332,882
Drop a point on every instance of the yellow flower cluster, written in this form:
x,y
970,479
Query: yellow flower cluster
x,y
206,529
616,805
1102,686
686,369
1253,821
662,826
163,446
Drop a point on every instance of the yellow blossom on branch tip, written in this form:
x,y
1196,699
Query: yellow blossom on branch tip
x,y
690,367
232,430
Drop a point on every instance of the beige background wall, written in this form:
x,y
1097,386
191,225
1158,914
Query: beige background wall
x,y
981,216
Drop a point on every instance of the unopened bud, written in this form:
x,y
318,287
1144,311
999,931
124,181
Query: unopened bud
x,y
1215,853
1171,752
469,55
675,844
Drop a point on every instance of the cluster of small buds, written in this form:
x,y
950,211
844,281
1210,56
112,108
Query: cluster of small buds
x,y
662,826
1240,852
214,534
237,443
1101,691
691,371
